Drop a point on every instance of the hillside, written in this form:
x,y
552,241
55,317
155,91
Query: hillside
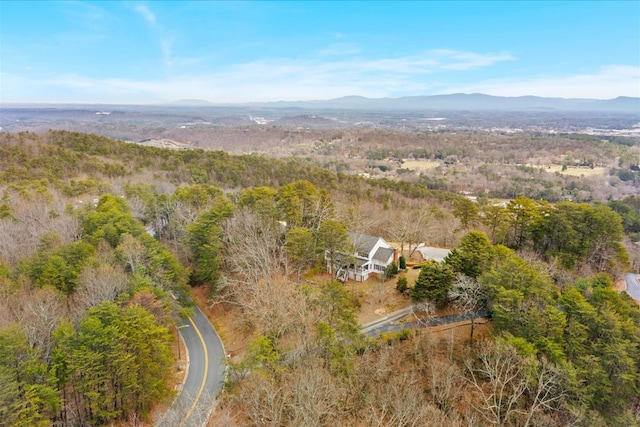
x,y
552,156
86,326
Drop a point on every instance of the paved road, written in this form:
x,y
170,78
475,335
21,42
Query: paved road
x,y
205,374
633,285
386,320
386,325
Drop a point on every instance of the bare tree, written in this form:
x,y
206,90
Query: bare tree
x,y
39,313
138,207
499,378
262,400
380,288
101,283
384,395
131,251
256,264
428,308
547,389
361,216
313,396
445,383
20,235
443,229
411,227
253,247
467,295
400,401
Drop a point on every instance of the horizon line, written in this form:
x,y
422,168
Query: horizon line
x,y
185,101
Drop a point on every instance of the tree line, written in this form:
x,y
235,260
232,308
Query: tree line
x,y
85,336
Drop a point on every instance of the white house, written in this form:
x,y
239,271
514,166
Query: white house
x,y
372,255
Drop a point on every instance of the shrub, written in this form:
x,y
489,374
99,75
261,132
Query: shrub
x,y
402,285
403,262
391,270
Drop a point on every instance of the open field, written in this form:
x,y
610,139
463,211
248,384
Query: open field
x,y
420,165
577,171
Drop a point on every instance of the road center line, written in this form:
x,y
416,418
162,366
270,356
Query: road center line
x,y
204,376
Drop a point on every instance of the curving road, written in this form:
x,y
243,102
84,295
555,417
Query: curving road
x,y
205,373
207,359
633,285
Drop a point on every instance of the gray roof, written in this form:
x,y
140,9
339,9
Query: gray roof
x,y
346,259
383,255
436,254
363,242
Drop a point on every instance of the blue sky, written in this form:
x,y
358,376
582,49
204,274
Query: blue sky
x,y
228,52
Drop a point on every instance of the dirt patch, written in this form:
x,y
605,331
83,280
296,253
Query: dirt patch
x,y
620,285
377,298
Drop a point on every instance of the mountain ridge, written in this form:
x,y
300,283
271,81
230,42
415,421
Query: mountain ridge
x,y
474,101
448,102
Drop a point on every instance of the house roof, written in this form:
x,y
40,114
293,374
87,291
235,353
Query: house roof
x,y
346,259
383,255
363,242
436,254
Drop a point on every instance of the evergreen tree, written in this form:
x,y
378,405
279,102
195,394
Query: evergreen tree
x,y
205,237
433,283
473,256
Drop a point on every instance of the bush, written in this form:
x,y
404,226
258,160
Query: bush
x,y
403,262
626,175
391,270
390,338
402,285
433,283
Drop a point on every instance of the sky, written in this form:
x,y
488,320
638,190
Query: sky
x,y
151,52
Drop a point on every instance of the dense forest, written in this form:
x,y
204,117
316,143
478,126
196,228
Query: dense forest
x,y
98,238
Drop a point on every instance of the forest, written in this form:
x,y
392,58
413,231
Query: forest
x,y
102,241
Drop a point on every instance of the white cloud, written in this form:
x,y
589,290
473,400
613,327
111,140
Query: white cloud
x,y
339,49
286,79
608,82
164,40
469,60
279,79
146,13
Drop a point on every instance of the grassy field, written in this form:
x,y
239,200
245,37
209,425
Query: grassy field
x,y
576,171
420,165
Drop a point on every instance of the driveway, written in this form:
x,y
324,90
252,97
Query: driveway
x,y
633,285
387,324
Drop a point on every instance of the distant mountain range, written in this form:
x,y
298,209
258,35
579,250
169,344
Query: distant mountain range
x,y
476,101
190,103
453,102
